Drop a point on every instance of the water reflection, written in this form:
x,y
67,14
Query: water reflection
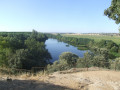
x,y
56,48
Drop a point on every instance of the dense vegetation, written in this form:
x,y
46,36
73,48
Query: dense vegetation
x,y
113,48
96,38
23,50
98,58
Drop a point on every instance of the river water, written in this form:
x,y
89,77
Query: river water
x,y
55,48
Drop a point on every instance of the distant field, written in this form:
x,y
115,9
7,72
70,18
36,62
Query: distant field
x,y
97,38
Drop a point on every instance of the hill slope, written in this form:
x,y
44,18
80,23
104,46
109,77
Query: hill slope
x,y
87,80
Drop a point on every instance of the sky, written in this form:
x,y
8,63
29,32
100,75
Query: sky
x,y
70,16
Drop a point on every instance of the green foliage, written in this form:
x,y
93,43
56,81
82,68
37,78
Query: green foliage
x,y
115,64
114,49
82,47
102,43
99,61
58,66
96,38
101,57
80,63
66,61
109,45
113,11
4,54
69,57
23,50
87,59
16,59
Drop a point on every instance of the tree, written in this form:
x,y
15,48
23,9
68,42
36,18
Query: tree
x,y
23,50
87,59
69,57
16,60
113,12
99,61
101,56
66,61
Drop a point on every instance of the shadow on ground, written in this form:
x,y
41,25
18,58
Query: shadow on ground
x,y
29,85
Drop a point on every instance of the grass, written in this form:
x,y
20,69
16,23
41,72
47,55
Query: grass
x,y
82,47
97,38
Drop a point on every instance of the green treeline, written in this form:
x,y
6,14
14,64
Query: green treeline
x,y
112,47
23,50
81,43
99,58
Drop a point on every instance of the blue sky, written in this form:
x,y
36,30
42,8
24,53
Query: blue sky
x,y
78,16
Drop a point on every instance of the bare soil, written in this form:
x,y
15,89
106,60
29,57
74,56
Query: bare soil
x,y
66,80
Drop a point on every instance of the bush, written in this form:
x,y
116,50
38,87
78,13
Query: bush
x,y
69,57
80,63
58,66
115,64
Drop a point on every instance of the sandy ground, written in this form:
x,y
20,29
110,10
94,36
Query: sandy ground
x,y
89,80
85,80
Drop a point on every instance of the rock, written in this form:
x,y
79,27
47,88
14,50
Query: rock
x,y
9,79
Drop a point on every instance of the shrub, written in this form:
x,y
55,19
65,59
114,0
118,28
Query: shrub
x,y
115,64
70,58
57,66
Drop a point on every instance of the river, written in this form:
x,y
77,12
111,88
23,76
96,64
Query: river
x,y
55,48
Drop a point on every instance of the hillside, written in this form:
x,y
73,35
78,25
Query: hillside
x,y
86,80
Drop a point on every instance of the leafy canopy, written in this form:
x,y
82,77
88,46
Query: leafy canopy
x,y
113,11
69,57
